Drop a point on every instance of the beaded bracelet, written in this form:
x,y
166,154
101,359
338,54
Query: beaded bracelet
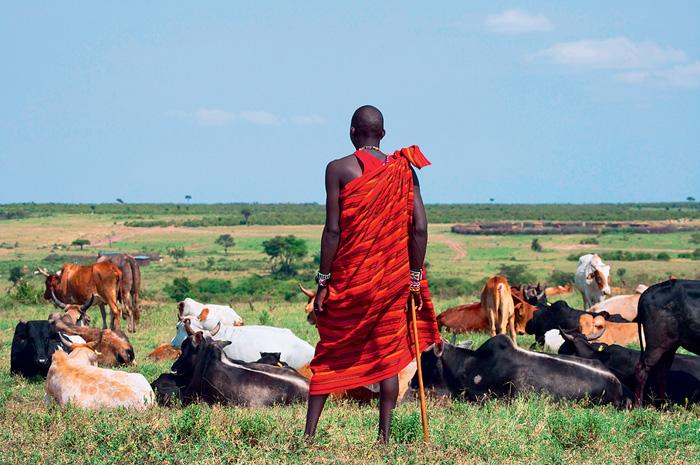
x,y
415,279
323,279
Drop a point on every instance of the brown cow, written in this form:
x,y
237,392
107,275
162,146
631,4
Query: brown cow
x,y
73,314
559,290
164,352
497,304
464,318
112,347
76,284
131,280
608,332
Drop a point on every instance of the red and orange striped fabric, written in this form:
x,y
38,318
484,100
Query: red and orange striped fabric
x,y
364,328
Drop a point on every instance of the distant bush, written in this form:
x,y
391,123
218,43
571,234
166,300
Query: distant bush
x,y
535,246
449,288
517,274
694,255
589,241
179,289
626,256
695,238
25,293
177,253
560,278
149,223
209,289
284,253
663,256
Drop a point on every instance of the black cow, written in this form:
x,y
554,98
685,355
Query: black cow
x,y
683,378
168,389
669,315
214,378
32,346
500,369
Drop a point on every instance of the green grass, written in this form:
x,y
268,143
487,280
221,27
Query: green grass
x,y
526,430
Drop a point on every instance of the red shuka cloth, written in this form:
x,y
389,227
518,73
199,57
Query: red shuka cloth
x,y
364,328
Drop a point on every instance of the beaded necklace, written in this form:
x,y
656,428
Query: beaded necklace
x,y
375,148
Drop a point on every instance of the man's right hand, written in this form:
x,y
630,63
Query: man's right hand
x,y
321,295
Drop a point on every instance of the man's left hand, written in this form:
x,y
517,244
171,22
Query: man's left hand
x,y
321,295
417,300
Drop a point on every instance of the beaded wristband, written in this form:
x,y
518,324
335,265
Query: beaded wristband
x,y
323,279
415,279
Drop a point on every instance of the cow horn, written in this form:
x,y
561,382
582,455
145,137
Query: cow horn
x,y
216,329
57,302
65,341
593,337
42,271
188,327
566,335
86,305
307,293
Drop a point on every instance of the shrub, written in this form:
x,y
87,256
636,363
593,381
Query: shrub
x,y
517,274
284,252
264,318
560,278
535,246
177,253
179,289
25,293
449,288
589,241
226,241
695,238
663,256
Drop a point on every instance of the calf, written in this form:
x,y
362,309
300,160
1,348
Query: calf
x,y
224,313
497,304
558,290
75,378
32,346
464,318
113,347
592,279
164,352
669,316
611,329
683,377
500,369
214,378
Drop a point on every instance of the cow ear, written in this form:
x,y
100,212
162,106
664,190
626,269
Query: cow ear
x,y
223,344
604,314
22,328
198,338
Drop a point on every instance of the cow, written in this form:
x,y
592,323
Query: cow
x,y
131,280
248,341
75,284
192,308
75,378
497,304
683,376
669,316
592,279
113,347
501,369
611,329
213,378
553,341
623,305
464,318
168,389
164,352
33,344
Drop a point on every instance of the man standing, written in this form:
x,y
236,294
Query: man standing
x,y
372,253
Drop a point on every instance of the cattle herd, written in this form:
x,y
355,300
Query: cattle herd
x,y
219,359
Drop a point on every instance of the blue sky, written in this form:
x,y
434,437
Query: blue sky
x,y
520,101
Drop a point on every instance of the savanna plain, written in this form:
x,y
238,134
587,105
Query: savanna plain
x,y
527,429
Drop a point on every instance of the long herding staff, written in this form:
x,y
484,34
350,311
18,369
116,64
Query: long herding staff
x,y
423,411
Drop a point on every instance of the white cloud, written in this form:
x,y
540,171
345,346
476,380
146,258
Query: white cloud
x,y
676,76
213,117
306,120
517,22
614,53
260,117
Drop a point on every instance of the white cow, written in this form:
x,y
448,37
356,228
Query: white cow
x,y
75,378
553,341
192,308
623,305
592,279
248,341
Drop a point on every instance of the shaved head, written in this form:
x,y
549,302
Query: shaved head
x,y
367,124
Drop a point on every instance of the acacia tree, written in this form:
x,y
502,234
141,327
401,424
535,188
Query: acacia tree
x,y
177,253
246,215
80,243
226,241
535,246
284,251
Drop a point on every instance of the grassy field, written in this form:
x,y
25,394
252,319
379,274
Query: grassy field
x,y
526,430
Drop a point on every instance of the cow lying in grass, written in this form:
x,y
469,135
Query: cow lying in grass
x,y
683,378
204,373
75,378
112,346
33,344
500,369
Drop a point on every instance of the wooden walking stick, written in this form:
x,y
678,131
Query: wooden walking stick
x,y
423,410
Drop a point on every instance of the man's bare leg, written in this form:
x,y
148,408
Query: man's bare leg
x,y
313,413
388,395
